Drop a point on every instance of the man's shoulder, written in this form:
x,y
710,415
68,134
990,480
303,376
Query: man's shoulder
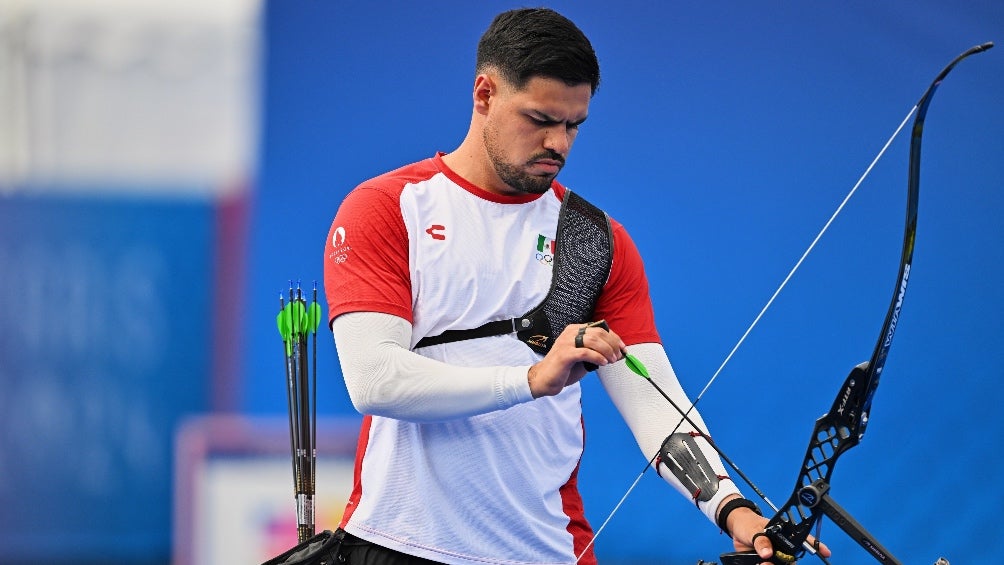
x,y
394,181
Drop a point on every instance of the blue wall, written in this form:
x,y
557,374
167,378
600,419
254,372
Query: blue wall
x,y
723,136
105,326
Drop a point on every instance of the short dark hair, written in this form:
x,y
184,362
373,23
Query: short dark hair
x,y
521,44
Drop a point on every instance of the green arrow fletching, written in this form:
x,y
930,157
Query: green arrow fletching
x,y
296,317
282,321
314,317
635,365
295,320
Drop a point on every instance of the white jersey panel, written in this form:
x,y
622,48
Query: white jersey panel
x,y
462,243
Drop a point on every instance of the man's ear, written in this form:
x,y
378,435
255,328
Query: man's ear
x,y
485,89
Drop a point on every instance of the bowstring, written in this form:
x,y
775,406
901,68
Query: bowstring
x,y
802,258
752,325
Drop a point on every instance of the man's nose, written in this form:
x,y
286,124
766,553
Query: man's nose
x,y
559,139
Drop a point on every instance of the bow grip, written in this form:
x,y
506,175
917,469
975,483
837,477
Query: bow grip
x,y
749,558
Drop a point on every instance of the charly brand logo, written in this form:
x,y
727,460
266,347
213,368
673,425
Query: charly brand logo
x,y
434,230
544,250
339,249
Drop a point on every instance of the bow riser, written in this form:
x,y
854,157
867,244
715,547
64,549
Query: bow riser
x,y
832,435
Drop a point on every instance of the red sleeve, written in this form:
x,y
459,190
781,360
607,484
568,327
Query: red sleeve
x,y
625,302
366,256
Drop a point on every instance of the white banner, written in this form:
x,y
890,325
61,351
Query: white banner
x,y
128,95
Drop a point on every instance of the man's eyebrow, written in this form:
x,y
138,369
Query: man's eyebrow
x,y
548,118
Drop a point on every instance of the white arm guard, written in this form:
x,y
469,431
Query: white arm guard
x,y
651,418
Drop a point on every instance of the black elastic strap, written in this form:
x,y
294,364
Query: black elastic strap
x,y
498,327
723,516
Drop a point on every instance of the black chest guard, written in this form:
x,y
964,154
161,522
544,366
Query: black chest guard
x,y
583,256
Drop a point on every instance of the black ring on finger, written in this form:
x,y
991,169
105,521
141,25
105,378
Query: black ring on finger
x,y
756,535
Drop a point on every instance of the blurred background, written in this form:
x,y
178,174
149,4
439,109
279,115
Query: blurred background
x,y
167,168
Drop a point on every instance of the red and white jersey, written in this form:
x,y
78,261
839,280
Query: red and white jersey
x,y
423,244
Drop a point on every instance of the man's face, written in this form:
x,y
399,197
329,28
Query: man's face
x,y
528,133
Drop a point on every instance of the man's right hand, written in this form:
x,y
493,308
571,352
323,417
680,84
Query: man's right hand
x,y
563,364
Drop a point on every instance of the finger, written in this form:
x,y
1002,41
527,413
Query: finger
x,y
819,546
582,355
607,351
595,344
762,546
580,336
589,336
